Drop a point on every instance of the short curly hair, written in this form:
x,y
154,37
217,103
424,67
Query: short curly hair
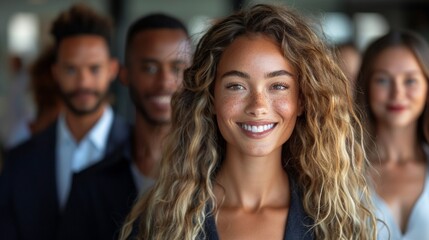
x,y
80,19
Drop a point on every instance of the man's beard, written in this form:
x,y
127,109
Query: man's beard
x,y
68,96
135,98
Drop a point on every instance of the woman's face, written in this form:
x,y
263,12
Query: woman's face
x,y
398,88
256,96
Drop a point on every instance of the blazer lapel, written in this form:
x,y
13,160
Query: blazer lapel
x,y
119,133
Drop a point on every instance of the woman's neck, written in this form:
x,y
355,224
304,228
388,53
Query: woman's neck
x,y
252,183
399,145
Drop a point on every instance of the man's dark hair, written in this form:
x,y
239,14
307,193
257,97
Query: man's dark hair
x,y
81,20
153,21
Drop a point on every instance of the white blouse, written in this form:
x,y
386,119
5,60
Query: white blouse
x,y
418,222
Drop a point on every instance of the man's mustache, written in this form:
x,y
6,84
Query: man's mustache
x,y
83,91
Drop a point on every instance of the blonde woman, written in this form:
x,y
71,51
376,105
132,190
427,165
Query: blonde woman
x,y
393,92
265,143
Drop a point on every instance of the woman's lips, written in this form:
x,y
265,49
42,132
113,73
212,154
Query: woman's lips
x,y
395,108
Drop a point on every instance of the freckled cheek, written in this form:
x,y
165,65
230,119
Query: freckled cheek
x,y
227,113
229,107
285,107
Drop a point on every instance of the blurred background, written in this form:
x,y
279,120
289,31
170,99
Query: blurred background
x,y
25,24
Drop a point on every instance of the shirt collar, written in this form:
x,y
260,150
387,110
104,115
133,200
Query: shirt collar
x,y
97,135
64,134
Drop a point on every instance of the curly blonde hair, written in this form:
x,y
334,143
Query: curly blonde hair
x,y
325,149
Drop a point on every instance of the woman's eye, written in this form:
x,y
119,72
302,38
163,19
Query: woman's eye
x,y
235,86
382,81
410,81
280,86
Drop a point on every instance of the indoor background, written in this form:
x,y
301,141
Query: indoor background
x,y
24,26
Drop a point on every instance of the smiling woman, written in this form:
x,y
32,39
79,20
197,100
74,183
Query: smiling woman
x,y
265,141
393,93
256,98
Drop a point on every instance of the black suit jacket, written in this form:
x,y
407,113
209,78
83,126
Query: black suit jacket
x,y
100,199
28,195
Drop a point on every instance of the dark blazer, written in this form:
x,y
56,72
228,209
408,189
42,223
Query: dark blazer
x,y
28,195
100,199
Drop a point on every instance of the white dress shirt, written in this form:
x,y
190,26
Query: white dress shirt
x,y
72,157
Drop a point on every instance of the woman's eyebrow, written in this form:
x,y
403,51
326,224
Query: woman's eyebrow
x,y
235,73
278,73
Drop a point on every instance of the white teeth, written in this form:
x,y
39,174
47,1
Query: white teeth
x,y
257,129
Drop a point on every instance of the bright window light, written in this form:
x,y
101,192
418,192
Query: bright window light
x,y
23,31
198,25
369,26
337,27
